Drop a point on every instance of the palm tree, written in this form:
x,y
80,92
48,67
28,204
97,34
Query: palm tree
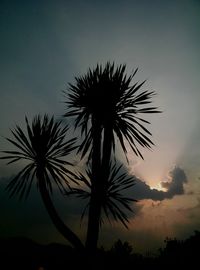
x,y
107,108
43,149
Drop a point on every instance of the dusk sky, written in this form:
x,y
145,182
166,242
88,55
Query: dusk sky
x,y
44,44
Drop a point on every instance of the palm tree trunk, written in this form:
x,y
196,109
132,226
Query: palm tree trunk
x,y
95,200
107,150
60,226
93,220
100,172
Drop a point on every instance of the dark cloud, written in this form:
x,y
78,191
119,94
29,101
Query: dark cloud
x,y
174,187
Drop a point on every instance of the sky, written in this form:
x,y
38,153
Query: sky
x,y
45,44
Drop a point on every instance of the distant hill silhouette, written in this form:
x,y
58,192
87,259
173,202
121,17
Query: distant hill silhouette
x,y
22,253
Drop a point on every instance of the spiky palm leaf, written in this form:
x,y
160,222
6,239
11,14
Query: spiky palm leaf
x,y
43,146
106,94
113,200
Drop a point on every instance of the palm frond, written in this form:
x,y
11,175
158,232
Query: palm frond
x,y
21,183
114,201
105,93
44,147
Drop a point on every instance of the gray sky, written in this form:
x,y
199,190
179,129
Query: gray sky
x,y
44,44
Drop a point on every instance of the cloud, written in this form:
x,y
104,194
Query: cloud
x,y
174,187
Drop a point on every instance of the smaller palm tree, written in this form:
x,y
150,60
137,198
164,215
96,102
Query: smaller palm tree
x,y
114,201
43,147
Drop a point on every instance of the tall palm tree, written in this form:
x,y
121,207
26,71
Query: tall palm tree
x,y
107,108
43,148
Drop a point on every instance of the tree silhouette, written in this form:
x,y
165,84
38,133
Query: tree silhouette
x,y
107,109
122,249
43,148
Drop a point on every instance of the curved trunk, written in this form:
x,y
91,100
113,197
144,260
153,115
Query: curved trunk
x,y
60,226
95,199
